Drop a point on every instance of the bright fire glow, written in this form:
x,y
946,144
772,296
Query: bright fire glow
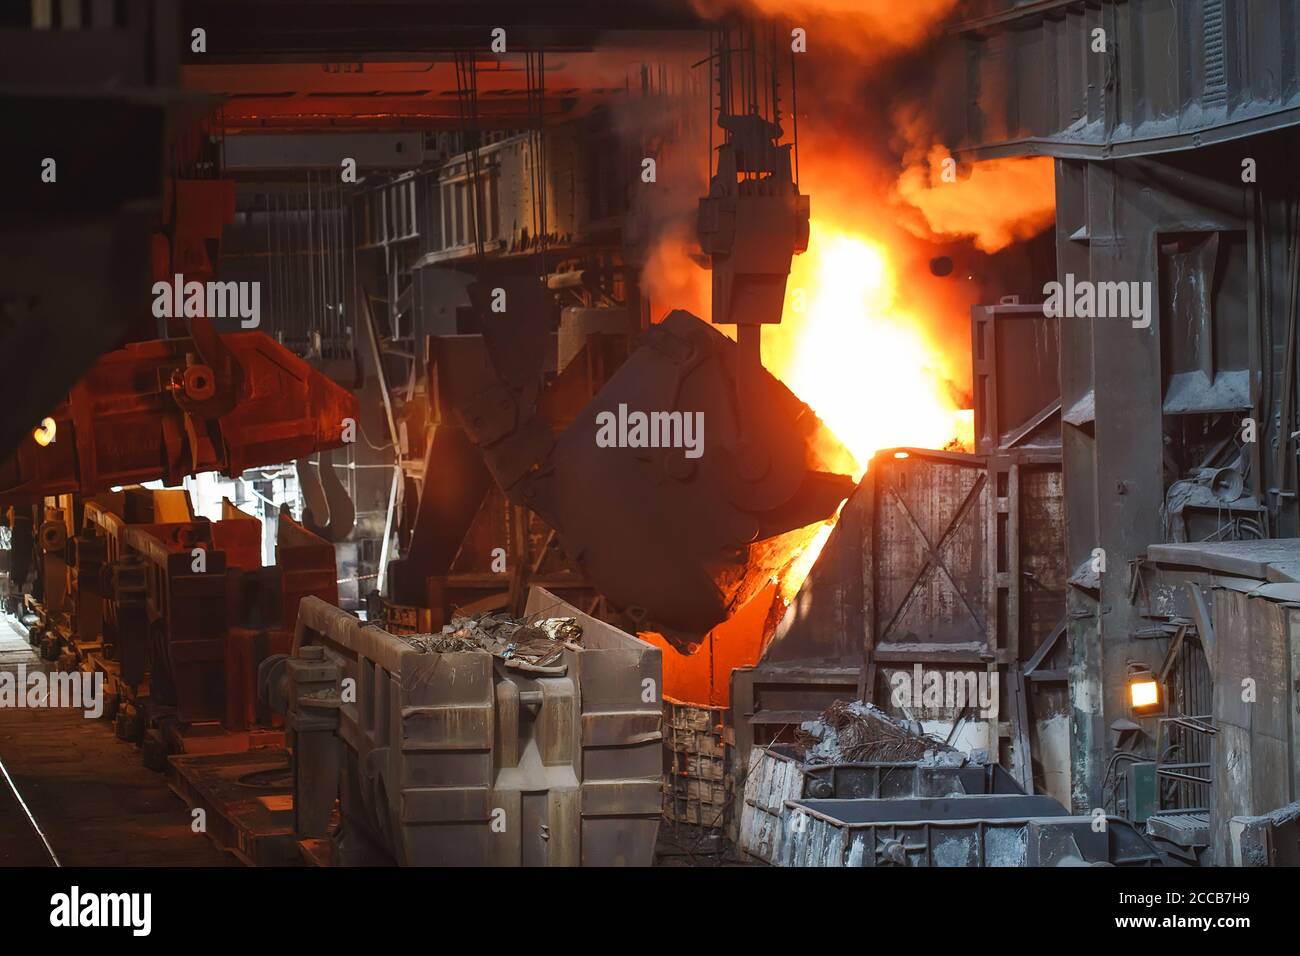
x,y
859,356
801,563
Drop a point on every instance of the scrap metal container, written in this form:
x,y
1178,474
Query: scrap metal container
x,y
985,830
957,831
458,759
778,779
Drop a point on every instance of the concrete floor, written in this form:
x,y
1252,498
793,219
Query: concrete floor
x,y
96,802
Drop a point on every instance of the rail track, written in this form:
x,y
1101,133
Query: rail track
x,y
36,850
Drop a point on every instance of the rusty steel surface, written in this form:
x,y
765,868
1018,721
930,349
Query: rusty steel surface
x,y
932,562
676,538
148,411
1017,389
685,539
451,759
461,517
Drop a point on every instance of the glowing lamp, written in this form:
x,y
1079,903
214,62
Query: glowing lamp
x,y
1143,690
44,432
900,454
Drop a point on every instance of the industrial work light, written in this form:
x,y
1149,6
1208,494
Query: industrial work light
x,y
1143,690
44,432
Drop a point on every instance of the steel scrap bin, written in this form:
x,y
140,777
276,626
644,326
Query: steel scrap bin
x,y
778,780
455,759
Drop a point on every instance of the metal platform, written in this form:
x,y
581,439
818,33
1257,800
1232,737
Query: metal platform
x,y
248,802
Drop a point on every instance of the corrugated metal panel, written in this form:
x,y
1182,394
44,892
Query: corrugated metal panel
x,y
816,839
1171,76
773,779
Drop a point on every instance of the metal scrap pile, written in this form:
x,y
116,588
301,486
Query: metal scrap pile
x,y
858,732
528,645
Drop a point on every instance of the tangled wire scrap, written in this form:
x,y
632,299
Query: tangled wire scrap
x,y
539,643
858,732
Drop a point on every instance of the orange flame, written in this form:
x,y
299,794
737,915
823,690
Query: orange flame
x,y
992,203
873,340
863,359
